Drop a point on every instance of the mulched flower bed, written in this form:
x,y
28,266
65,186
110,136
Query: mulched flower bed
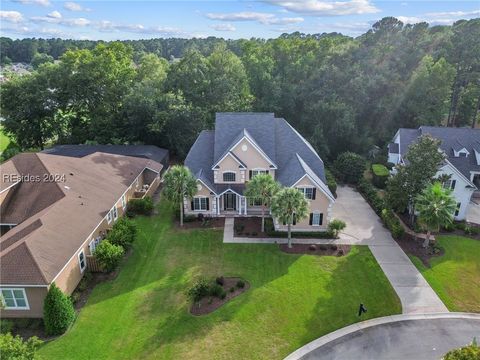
x,y
414,247
319,250
248,227
209,223
211,303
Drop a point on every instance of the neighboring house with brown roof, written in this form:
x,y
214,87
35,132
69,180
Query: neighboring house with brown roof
x,y
58,208
243,145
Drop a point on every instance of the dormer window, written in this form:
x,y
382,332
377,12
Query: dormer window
x,y
461,153
229,176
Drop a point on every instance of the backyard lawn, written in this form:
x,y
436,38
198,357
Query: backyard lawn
x,y
4,140
293,299
455,276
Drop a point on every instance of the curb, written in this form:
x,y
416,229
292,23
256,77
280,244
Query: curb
x,y
304,350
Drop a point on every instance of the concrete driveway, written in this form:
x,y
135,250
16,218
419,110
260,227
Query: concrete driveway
x,y
423,338
473,213
364,227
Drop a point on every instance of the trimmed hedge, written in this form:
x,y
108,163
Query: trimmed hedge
x,y
349,167
392,223
108,254
58,311
380,175
331,182
123,233
139,207
270,230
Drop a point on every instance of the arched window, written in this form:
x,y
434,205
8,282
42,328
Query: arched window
x,y
229,176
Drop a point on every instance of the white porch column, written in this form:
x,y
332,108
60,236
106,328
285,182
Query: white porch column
x,y
246,204
217,199
239,202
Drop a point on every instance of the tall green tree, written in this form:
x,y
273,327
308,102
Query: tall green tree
x,y
423,159
435,206
179,184
262,187
287,204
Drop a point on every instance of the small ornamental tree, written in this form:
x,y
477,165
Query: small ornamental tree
x,y
262,187
108,255
435,206
179,184
335,226
15,348
123,233
349,167
289,203
469,352
58,311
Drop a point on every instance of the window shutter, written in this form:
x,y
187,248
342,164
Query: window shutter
x,y
208,204
314,193
267,172
284,223
250,174
311,219
454,182
193,208
321,219
294,222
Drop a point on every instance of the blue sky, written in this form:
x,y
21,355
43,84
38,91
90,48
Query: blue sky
x,y
111,20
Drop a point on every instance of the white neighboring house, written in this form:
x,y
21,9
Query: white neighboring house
x,y
462,149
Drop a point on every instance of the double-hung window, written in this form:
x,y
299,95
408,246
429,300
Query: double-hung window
x,y
457,210
450,184
255,202
200,204
14,299
115,213
229,176
82,262
109,217
317,219
254,173
307,192
124,202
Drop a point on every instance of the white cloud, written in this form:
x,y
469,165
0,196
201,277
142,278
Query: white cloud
x,y
404,4
223,27
439,18
458,14
109,26
72,6
11,16
326,8
55,15
33,2
60,21
263,18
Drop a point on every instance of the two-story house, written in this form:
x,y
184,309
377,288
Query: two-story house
x,y
244,145
462,149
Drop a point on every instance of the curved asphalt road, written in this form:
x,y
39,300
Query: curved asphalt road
x,y
422,339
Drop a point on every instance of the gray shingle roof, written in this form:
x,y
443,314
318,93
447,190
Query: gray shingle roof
x,y
280,142
451,139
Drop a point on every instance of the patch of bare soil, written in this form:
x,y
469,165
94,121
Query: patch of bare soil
x,y
319,250
206,223
211,303
414,247
248,227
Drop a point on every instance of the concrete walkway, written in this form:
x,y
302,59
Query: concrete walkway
x,y
426,337
364,227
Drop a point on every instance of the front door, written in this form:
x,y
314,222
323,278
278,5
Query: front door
x,y
229,202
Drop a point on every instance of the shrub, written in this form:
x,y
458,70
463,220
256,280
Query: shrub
x,y
392,223
15,348
323,247
331,182
232,289
6,326
123,233
312,247
471,230
139,206
371,194
216,290
188,218
223,295
108,255
240,284
449,227
239,228
470,352
460,226
58,312
380,175
199,290
335,226
349,167
220,280
333,247
340,252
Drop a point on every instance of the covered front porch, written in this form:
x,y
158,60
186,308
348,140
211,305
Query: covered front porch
x,y
231,203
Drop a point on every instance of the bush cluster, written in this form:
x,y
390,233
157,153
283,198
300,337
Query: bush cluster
x,y
371,194
199,290
331,182
108,254
15,348
123,233
470,352
380,175
349,167
6,326
58,311
335,226
392,223
139,207
270,230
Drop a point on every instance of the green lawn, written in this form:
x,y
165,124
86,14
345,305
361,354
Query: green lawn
x,y
4,140
293,299
455,276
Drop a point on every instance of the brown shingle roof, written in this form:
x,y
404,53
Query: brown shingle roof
x,y
92,186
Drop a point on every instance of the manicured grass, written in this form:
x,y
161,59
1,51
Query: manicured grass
x,y
455,276
4,140
293,299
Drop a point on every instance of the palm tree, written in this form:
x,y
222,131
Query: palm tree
x,y
289,202
179,184
264,188
436,207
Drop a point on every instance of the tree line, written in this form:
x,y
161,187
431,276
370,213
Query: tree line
x,y
342,94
